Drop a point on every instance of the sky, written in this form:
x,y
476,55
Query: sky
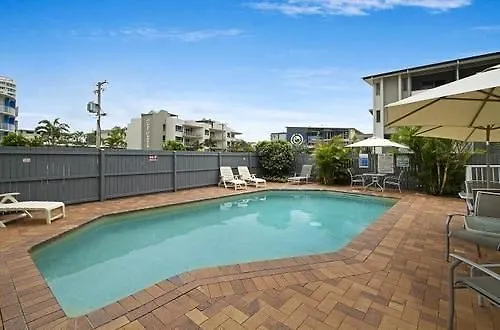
x,y
258,65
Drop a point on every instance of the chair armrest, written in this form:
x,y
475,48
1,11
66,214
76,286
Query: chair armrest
x,y
470,207
485,266
476,266
450,216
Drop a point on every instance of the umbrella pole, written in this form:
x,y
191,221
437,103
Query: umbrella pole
x,y
488,131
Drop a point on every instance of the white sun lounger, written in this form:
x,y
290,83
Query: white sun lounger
x,y
228,179
304,176
250,179
48,208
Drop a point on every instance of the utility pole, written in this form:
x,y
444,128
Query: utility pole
x,y
99,113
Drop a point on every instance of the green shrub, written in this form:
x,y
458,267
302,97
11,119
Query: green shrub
x,y
173,146
276,158
276,179
439,163
331,159
15,140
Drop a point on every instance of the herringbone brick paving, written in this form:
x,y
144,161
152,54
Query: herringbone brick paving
x,y
392,276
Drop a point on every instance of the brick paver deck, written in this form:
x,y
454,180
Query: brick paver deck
x,y
392,276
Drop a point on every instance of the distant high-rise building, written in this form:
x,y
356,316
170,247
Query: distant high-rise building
x,y
153,129
8,106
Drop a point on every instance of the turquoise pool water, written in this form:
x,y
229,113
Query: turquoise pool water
x,y
117,256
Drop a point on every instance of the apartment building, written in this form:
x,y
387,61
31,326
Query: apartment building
x,y
153,129
395,85
281,136
8,106
310,135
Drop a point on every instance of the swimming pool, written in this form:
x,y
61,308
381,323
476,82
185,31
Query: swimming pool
x,y
116,256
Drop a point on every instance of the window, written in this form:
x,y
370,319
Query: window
x,y
164,127
178,128
228,135
207,132
377,116
405,84
178,139
163,138
377,88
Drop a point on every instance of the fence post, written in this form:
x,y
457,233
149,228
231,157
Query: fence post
x,y
219,159
102,178
175,170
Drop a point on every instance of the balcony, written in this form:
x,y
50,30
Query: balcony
x,y
193,136
193,133
8,110
7,127
415,92
217,138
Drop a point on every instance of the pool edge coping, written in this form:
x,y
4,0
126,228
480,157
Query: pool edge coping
x,y
353,260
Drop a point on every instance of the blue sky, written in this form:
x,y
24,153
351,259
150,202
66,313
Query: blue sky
x,y
257,65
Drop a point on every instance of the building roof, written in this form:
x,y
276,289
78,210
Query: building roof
x,y
463,60
6,78
324,128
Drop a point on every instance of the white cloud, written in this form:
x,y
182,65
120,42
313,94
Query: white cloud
x,y
180,35
352,7
144,32
487,28
319,80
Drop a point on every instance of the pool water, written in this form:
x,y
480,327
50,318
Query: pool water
x,y
116,256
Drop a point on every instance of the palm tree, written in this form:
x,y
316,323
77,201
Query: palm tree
x,y
79,138
116,138
52,133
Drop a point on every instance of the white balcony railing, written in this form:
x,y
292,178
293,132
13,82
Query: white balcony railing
x,y
7,127
8,110
478,173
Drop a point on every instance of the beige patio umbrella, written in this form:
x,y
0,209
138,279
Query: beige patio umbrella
x,y
467,110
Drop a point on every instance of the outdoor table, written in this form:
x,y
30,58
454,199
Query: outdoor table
x,y
376,179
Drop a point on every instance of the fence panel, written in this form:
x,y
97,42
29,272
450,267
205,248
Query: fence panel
x,y
67,174
197,169
136,172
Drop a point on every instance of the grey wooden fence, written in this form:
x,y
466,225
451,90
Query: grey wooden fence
x,y
76,175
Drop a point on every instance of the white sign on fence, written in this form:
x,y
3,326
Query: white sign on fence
x,y
363,161
385,163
